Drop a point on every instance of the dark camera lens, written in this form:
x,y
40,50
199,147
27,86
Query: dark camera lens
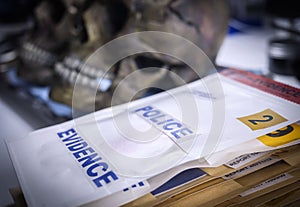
x,y
284,56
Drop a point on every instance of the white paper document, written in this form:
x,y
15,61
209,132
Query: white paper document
x,y
97,155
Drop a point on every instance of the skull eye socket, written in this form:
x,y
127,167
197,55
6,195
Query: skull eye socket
x,y
144,62
118,15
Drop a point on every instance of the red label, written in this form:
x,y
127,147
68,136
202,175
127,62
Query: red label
x,y
265,84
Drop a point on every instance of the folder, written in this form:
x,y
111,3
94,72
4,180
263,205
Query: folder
x,y
215,176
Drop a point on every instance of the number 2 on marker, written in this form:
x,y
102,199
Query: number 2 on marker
x,y
263,119
256,121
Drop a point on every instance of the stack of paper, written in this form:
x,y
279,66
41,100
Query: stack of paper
x,y
239,182
227,139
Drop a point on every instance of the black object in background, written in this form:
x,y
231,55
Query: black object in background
x,y
284,47
284,56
